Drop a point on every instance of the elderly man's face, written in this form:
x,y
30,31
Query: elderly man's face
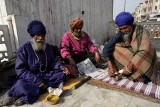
x,y
125,28
39,37
126,32
39,42
77,31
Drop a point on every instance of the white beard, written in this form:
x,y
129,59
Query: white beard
x,y
38,45
127,35
77,34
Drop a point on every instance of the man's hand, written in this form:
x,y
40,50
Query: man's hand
x,y
97,58
111,72
125,72
43,85
72,61
128,69
65,71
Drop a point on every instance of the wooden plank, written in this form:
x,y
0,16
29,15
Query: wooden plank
x,y
71,84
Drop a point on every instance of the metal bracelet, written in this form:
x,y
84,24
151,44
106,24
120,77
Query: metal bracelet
x,y
109,67
128,70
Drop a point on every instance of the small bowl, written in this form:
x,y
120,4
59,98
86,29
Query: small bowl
x,y
52,99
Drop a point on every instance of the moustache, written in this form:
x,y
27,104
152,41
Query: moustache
x,y
123,33
39,41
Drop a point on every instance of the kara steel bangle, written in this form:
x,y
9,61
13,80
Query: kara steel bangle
x,y
109,67
128,70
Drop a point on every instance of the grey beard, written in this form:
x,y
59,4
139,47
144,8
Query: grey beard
x,y
38,45
77,34
127,35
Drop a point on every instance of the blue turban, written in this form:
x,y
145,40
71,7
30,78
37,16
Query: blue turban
x,y
124,18
36,27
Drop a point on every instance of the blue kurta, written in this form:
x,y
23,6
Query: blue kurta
x,y
29,75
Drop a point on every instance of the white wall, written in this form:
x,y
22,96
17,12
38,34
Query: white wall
x,y
3,12
57,14
153,7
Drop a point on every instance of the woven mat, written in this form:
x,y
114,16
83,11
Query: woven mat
x,y
71,84
124,90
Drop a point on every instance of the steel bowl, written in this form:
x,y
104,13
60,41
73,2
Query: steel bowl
x,y
52,99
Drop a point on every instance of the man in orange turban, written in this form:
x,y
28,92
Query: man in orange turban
x,y
76,43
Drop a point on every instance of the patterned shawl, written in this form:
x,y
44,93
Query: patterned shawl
x,y
140,52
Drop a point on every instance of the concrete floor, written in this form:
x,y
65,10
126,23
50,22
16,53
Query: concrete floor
x,y
93,96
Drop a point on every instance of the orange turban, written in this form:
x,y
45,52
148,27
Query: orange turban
x,y
77,22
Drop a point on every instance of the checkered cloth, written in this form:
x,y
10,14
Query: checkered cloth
x,y
141,53
150,89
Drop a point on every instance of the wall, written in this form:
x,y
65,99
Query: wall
x,y
155,3
57,14
3,12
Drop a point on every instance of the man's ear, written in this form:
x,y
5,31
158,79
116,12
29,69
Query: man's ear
x,y
119,29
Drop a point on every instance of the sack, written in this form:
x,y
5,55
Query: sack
x,y
73,71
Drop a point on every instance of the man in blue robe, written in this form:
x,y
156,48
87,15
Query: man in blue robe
x,y
35,67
